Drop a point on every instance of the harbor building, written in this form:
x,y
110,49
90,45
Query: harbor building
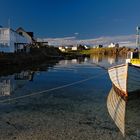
x,y
12,41
113,45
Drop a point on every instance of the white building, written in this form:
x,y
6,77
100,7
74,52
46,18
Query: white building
x,y
74,48
86,47
112,45
11,41
61,48
28,35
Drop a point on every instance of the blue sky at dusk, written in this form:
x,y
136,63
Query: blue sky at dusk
x,y
81,18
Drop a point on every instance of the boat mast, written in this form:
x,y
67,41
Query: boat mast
x,y
137,37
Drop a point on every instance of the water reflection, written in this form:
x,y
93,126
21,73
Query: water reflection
x,y
125,113
116,107
74,61
25,75
111,60
5,87
9,84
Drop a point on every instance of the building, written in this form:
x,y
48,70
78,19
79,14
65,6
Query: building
x,y
65,48
41,42
74,48
87,47
112,45
62,48
98,46
28,35
12,41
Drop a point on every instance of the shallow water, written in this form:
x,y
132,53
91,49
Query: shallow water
x,y
64,102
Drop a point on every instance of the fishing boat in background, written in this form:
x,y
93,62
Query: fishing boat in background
x,y
126,77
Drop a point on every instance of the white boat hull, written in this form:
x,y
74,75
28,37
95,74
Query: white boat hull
x,y
125,77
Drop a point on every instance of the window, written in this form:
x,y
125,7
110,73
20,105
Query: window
x,y
20,33
1,32
4,44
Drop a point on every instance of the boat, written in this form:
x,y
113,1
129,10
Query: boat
x,y
126,77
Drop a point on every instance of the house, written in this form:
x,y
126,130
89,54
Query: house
x,y
65,48
28,35
62,48
12,41
87,47
78,47
112,45
41,42
98,46
74,48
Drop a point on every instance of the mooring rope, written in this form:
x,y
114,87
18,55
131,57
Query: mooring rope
x,y
105,68
52,89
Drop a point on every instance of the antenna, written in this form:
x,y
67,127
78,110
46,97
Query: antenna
x,y
137,37
9,23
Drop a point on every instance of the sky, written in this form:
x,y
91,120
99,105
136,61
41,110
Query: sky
x,y
82,19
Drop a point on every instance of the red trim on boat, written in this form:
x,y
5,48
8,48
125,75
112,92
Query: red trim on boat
x,y
121,93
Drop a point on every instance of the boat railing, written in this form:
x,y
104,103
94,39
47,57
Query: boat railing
x,y
133,58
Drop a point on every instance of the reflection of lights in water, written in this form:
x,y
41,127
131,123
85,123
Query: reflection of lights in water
x,y
86,59
24,75
67,62
111,60
125,114
74,61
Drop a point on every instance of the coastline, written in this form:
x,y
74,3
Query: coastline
x,y
121,51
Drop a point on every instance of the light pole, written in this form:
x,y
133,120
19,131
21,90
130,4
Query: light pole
x,y
137,37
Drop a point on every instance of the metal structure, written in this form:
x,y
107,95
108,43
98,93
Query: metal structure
x,y
137,37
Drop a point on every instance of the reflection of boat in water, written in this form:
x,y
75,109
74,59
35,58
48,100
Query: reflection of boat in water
x,y
124,113
126,77
116,107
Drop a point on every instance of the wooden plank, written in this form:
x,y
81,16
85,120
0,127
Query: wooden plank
x,y
118,76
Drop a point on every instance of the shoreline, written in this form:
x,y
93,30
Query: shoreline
x,y
121,51
50,55
37,59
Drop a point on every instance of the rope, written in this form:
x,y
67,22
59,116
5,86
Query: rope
x,y
100,66
52,89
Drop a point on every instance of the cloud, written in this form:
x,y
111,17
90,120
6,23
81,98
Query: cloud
x,y
123,40
76,33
